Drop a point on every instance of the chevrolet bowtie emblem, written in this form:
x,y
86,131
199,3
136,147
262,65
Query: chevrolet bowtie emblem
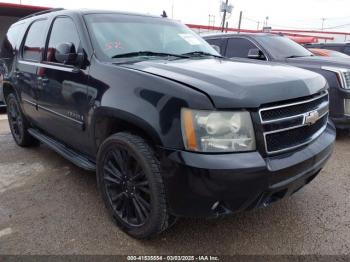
x,y
311,117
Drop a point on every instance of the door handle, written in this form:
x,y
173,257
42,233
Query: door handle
x,y
42,80
17,74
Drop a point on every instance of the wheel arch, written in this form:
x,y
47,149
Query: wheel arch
x,y
107,121
7,89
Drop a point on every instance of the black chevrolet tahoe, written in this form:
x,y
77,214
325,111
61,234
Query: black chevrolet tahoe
x,y
171,128
280,49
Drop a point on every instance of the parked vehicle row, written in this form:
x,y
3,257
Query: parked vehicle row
x,y
275,48
171,128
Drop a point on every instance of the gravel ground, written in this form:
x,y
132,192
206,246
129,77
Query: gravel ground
x,y
49,206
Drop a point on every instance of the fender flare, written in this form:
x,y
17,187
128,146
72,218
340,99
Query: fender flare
x,y
127,118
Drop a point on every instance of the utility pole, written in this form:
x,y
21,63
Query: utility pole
x,y
224,17
211,22
172,9
240,22
258,23
266,21
323,20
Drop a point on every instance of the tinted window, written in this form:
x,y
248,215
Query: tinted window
x,y
333,47
63,31
11,40
346,50
219,43
239,47
282,47
35,41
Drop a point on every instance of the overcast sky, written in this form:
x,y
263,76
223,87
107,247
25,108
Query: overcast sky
x,y
292,14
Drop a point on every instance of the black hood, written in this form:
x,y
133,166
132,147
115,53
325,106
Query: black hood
x,y
233,84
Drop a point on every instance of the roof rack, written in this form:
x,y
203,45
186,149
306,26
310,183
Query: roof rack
x,y
43,12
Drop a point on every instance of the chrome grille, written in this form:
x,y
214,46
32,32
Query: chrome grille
x,y
290,126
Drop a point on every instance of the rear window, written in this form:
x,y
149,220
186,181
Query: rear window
x,y
11,41
35,41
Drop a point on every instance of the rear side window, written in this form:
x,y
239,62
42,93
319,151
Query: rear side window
x,y
11,41
63,31
35,41
239,47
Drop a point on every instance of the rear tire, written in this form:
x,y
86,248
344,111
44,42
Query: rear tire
x,y
18,123
129,178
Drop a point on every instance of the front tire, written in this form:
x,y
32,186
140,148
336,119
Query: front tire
x,y
129,178
18,123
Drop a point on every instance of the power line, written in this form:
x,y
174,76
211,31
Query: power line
x,y
338,26
336,18
299,28
252,20
249,19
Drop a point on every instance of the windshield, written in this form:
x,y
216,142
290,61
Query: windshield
x,y
282,47
115,35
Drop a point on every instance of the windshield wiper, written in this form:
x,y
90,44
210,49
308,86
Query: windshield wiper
x,y
147,53
201,53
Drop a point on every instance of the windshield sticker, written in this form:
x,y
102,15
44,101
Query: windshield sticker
x,y
113,45
191,39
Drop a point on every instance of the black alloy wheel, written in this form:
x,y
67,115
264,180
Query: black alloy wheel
x,y
131,184
18,123
127,187
15,119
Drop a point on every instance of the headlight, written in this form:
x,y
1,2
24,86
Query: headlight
x,y
212,131
343,75
347,107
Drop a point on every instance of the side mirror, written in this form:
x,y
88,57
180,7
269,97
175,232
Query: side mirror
x,y
216,48
65,53
256,53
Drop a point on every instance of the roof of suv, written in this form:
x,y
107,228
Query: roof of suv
x,y
61,11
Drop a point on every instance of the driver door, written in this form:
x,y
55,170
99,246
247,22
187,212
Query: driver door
x,y
62,100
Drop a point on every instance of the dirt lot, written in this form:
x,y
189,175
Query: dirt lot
x,y
49,206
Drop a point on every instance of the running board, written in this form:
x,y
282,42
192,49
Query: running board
x,y
68,153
